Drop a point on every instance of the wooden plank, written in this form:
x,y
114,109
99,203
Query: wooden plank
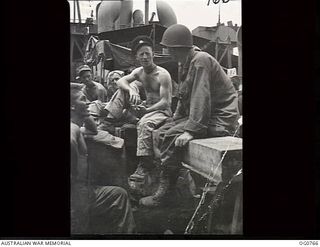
x,y
203,155
79,47
79,13
223,54
229,56
198,172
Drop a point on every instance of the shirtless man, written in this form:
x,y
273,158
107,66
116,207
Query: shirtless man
x,y
155,81
92,90
94,209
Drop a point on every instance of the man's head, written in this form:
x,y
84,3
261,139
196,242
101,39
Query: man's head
x,y
114,76
78,101
178,39
85,76
111,81
142,49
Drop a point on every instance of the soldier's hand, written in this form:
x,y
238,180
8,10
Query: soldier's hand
x,y
142,110
183,139
134,97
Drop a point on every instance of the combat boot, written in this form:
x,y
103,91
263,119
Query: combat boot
x,y
140,172
140,180
157,198
144,167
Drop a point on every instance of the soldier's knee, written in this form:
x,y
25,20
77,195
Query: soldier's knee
x,y
145,125
173,132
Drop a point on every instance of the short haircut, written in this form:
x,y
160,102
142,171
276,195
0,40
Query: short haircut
x,y
140,41
119,72
75,88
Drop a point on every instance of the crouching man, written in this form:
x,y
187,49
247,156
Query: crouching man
x,y
94,209
207,106
92,90
155,81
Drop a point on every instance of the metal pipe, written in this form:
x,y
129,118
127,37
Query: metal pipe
x,y
154,36
217,48
146,12
166,15
74,11
108,15
79,14
239,42
229,53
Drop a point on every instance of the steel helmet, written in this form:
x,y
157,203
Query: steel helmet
x,y
177,35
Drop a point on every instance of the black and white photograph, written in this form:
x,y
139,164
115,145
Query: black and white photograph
x,y
123,120
156,117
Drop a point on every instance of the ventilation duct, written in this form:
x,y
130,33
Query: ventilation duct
x,y
166,15
137,17
113,15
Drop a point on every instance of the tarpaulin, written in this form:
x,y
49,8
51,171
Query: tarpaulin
x,y
116,56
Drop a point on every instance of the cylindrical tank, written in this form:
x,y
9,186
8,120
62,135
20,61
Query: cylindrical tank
x,y
166,15
126,13
108,12
239,36
97,8
113,14
137,17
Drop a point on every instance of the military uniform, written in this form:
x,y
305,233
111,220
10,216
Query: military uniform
x,y
207,107
146,124
95,209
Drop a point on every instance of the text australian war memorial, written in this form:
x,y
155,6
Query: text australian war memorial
x,y
155,120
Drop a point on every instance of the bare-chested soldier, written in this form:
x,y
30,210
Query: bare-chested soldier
x,y
157,85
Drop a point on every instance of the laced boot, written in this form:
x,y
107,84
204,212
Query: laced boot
x,y
157,198
140,172
140,179
144,167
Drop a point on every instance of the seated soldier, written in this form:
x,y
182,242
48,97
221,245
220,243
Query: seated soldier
x,y
111,82
94,209
155,81
92,90
207,107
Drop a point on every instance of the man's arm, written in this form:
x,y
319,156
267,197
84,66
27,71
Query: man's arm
x,y
102,94
90,125
165,93
179,112
200,106
124,84
77,142
200,102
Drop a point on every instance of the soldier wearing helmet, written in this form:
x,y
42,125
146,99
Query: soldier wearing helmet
x,y
207,107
